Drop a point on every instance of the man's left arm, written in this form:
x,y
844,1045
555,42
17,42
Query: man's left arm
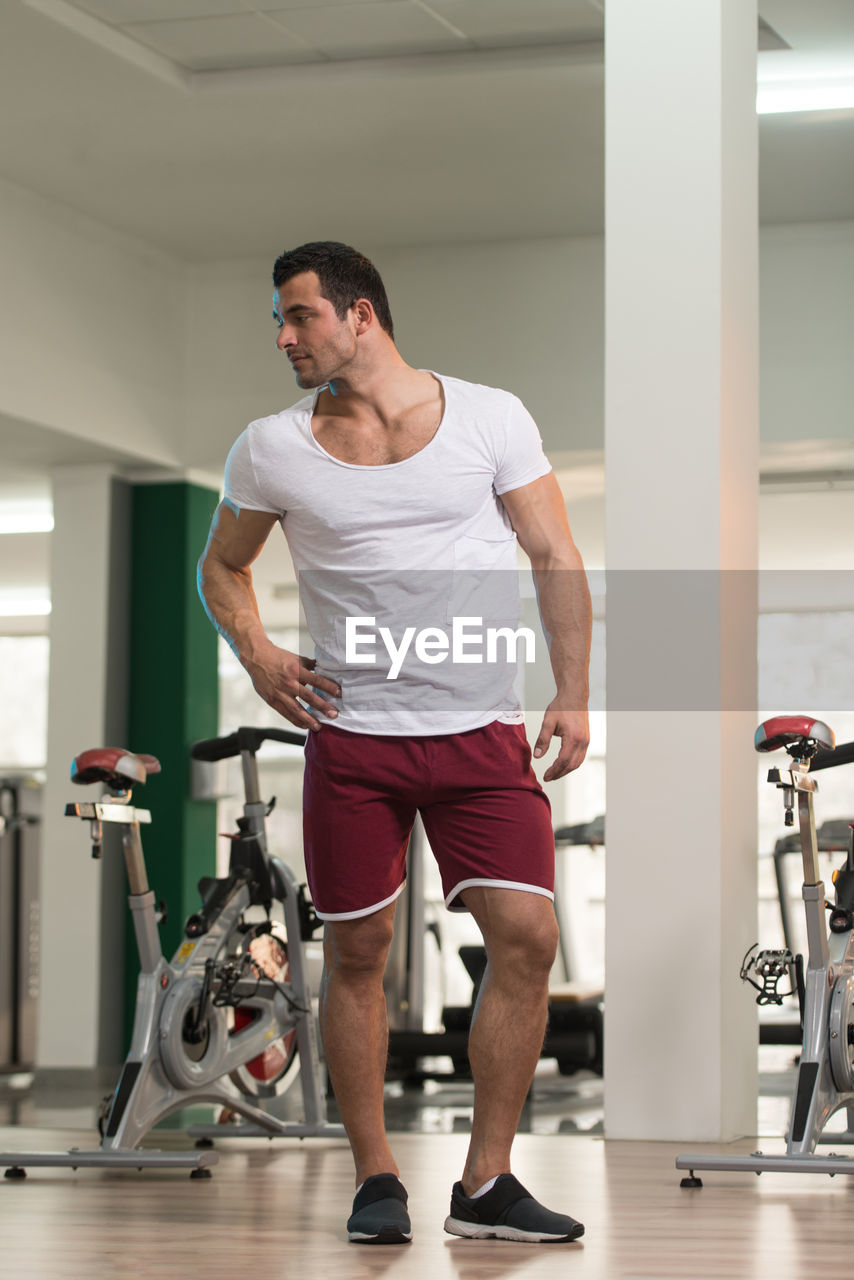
x,y
538,515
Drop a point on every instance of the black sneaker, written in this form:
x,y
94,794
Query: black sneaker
x,y
508,1212
379,1212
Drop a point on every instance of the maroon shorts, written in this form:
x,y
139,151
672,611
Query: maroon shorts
x,y
486,816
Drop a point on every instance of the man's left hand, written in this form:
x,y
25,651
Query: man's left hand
x,y
573,729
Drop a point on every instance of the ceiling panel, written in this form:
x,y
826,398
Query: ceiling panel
x,y
228,41
494,21
118,12
380,27
268,5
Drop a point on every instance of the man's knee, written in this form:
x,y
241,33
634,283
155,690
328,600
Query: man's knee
x,y
520,930
537,944
358,946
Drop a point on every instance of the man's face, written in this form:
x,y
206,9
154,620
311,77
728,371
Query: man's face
x,y
318,344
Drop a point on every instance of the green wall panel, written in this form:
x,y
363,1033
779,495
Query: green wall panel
x,y
173,698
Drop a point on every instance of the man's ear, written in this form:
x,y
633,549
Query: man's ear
x,y
364,315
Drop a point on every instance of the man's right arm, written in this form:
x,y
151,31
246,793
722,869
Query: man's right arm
x,y
225,586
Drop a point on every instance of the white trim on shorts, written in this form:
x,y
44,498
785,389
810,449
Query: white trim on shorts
x,y
494,884
365,911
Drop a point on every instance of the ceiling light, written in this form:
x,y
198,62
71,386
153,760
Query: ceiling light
x,y
790,82
26,521
816,95
26,605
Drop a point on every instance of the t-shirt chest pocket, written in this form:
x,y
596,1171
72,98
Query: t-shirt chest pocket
x,y
485,581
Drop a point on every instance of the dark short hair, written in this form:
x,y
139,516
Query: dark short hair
x,y
345,275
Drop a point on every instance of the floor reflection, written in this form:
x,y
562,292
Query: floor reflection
x,y
557,1104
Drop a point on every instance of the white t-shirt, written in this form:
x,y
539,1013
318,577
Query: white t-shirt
x,y
412,545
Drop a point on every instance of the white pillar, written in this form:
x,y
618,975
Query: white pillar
x,y
681,455
83,901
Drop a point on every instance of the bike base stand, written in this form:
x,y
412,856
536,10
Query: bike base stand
x,y
16,1162
759,1163
290,1129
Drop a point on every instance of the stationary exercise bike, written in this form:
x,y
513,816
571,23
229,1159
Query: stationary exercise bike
x,y
825,1076
228,1018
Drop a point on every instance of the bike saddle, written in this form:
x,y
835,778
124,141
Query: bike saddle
x,y
783,731
118,768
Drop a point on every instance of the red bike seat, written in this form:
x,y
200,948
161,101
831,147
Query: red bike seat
x,y
780,731
118,768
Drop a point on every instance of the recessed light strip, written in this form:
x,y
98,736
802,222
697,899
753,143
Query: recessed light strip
x,y
25,521
788,96
24,606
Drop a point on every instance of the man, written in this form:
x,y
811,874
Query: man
x,y
402,494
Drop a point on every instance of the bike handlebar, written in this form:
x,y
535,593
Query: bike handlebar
x,y
843,754
243,739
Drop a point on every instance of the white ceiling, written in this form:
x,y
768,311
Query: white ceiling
x,y
227,128
217,128
216,34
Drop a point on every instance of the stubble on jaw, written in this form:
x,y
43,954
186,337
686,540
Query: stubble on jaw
x,y
305,383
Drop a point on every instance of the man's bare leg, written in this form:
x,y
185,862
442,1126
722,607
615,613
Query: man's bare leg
x,y
520,933
354,1028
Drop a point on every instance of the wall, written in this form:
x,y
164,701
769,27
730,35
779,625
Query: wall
x,y
491,313
110,341
528,315
91,329
806,333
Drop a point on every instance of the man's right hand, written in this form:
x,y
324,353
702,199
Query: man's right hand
x,y
285,680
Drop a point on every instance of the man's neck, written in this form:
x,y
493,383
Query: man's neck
x,y
384,391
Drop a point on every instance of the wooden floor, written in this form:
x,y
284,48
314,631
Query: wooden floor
x,y
278,1210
